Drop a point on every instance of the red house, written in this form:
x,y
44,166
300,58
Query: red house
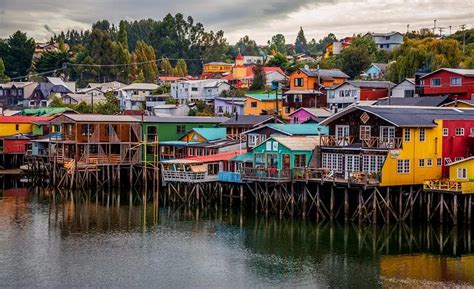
x,y
457,83
458,141
352,91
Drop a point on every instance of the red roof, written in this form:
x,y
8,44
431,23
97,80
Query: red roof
x,y
23,119
239,57
217,157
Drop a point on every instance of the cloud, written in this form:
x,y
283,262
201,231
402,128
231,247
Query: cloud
x,y
260,19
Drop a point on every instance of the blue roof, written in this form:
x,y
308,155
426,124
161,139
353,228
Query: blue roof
x,y
244,158
300,129
177,143
264,96
211,134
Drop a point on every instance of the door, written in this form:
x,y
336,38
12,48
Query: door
x,y
387,137
286,162
342,135
352,164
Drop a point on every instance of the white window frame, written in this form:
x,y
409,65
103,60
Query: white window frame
x,y
432,80
429,162
457,159
459,131
407,135
365,127
445,131
421,163
420,134
439,162
403,167
447,161
451,81
462,173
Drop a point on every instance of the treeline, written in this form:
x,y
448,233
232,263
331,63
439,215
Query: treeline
x,y
140,51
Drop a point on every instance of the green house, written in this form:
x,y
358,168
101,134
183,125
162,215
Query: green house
x,y
284,152
172,128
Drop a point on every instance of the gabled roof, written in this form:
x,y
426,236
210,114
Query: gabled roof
x,y
141,86
366,84
101,118
325,73
380,66
468,103
263,96
22,119
217,157
294,129
409,80
46,111
463,72
408,116
248,120
383,34
316,112
433,101
211,134
298,143
461,161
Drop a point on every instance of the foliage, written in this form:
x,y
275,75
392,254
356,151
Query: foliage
x,y
259,80
51,60
201,109
145,56
277,44
247,46
315,48
280,60
17,53
164,88
233,93
109,106
181,68
3,76
301,45
353,60
426,55
170,100
122,37
420,34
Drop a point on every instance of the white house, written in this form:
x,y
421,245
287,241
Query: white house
x,y
406,88
203,89
274,75
353,91
171,110
133,96
387,41
249,60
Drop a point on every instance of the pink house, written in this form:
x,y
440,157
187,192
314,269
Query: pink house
x,y
305,115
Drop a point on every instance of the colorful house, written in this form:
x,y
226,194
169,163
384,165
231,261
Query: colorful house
x,y
238,124
308,88
259,134
229,105
13,125
457,83
462,172
458,141
352,91
406,88
262,104
376,71
217,67
279,155
305,115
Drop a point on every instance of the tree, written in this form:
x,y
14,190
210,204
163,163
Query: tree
x,y
181,68
109,106
3,77
259,79
280,60
166,67
146,57
426,55
319,47
247,46
353,60
123,34
51,60
17,54
277,44
301,45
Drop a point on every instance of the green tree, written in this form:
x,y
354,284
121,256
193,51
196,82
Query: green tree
x,y
301,45
247,46
259,79
277,44
17,54
123,34
181,68
51,60
166,67
3,77
353,60
109,106
279,60
146,59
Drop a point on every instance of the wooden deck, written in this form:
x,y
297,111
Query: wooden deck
x,y
11,172
342,178
266,175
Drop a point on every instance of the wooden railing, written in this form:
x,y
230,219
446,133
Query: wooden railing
x,y
266,174
442,185
237,137
187,177
325,175
331,141
382,142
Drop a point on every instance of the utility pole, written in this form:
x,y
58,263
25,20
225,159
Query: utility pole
x,y
319,88
434,27
463,26
408,28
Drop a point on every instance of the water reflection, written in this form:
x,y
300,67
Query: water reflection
x,y
109,239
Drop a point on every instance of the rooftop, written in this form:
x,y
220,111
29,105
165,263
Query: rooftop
x,y
414,101
102,118
211,134
247,120
298,143
182,119
141,86
263,96
463,72
327,73
22,119
294,129
318,112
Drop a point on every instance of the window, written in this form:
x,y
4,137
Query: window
x,y
372,163
429,162
439,162
462,173
456,81
445,131
407,135
17,127
295,119
20,92
435,82
459,131
194,89
387,132
447,161
253,104
1,92
333,162
409,93
403,166
457,159
365,132
300,161
387,37
299,82
422,134
86,130
472,130
421,163
180,129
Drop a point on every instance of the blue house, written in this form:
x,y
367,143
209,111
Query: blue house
x,y
376,71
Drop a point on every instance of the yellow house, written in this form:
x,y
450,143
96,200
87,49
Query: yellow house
x,y
217,67
262,104
204,134
13,125
240,70
462,173
459,104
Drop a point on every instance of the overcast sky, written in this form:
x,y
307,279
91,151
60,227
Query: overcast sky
x,y
260,19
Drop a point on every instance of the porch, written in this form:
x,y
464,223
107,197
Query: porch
x,y
337,177
449,186
266,175
370,142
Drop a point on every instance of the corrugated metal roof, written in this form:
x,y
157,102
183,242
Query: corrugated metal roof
x,y
244,158
433,101
247,120
217,157
464,72
298,143
211,134
327,73
318,112
263,96
299,129
140,86
182,119
102,118
22,119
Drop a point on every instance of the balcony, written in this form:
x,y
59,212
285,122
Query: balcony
x,y
382,142
187,176
229,177
336,141
325,175
443,186
266,175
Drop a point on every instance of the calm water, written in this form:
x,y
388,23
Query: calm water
x,y
85,242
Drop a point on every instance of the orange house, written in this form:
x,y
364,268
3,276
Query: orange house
x,y
262,104
308,88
